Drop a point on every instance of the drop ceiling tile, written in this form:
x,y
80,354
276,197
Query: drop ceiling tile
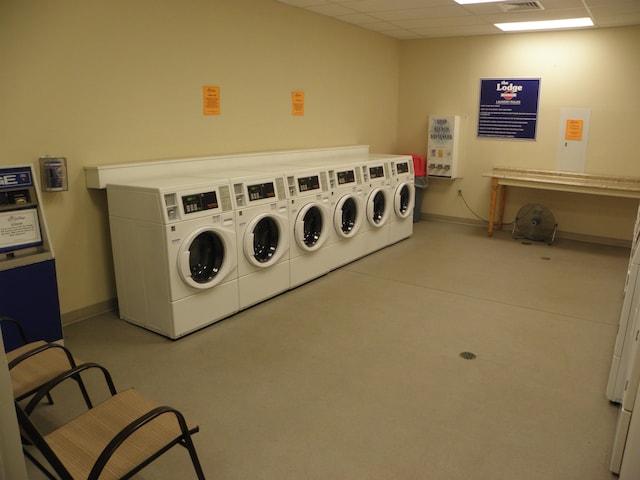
x,y
421,23
446,18
331,10
434,32
358,18
381,5
430,12
304,3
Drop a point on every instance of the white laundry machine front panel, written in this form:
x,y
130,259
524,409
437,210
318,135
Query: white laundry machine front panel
x,y
262,226
347,210
311,235
378,206
175,254
631,360
624,337
403,198
201,254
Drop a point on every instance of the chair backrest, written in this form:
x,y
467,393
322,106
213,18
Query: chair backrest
x,y
31,434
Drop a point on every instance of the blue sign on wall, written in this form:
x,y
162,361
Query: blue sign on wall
x,y
15,177
508,108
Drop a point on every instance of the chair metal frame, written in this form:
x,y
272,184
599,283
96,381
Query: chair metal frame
x,y
33,436
39,353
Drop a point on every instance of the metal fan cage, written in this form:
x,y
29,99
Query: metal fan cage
x,y
535,222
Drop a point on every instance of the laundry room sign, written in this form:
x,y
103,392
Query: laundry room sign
x,y
211,100
508,108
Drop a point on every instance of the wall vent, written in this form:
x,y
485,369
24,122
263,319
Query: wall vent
x,y
514,7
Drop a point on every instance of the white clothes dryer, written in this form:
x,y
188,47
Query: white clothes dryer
x,y
262,222
174,252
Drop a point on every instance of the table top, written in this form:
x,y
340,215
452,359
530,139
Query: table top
x,y
557,179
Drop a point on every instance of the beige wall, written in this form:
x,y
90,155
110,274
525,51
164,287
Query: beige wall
x,y
594,69
101,82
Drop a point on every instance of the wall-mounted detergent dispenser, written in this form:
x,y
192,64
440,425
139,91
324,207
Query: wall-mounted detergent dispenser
x,y
443,147
29,290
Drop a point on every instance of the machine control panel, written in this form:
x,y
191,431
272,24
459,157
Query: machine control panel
x,y
402,167
260,191
346,176
306,184
376,172
199,202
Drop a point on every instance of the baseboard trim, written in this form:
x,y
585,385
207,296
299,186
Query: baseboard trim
x,y
578,237
90,311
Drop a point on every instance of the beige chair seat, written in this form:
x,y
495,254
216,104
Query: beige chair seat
x,y
78,444
33,372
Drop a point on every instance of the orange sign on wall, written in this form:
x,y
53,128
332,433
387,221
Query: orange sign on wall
x,y
573,130
297,104
211,100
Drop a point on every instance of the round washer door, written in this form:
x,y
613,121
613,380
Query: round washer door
x,y
403,199
311,227
206,257
378,207
265,240
347,217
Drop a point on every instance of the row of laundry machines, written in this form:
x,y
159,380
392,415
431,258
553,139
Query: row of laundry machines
x,y
192,249
623,386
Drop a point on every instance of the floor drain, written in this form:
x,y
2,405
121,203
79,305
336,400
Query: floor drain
x,y
468,355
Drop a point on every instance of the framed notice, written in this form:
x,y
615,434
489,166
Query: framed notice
x,y
19,229
508,108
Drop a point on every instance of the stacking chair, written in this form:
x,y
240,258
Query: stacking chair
x,y
35,363
113,440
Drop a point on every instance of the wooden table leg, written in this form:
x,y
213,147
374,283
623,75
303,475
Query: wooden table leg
x,y
492,205
503,192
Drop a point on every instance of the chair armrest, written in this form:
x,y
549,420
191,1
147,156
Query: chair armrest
x,y
71,373
132,427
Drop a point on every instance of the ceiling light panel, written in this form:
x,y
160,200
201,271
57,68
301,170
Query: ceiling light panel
x,y
545,25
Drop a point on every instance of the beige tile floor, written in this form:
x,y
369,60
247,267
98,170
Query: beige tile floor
x,y
357,375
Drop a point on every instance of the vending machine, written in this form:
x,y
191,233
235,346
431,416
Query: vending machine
x,y
28,286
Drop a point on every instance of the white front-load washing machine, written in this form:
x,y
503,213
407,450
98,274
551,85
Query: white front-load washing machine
x,y
402,195
311,236
174,252
346,208
262,223
378,205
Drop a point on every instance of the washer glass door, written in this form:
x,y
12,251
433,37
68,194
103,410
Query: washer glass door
x,y
265,240
377,207
204,258
347,218
403,200
310,228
